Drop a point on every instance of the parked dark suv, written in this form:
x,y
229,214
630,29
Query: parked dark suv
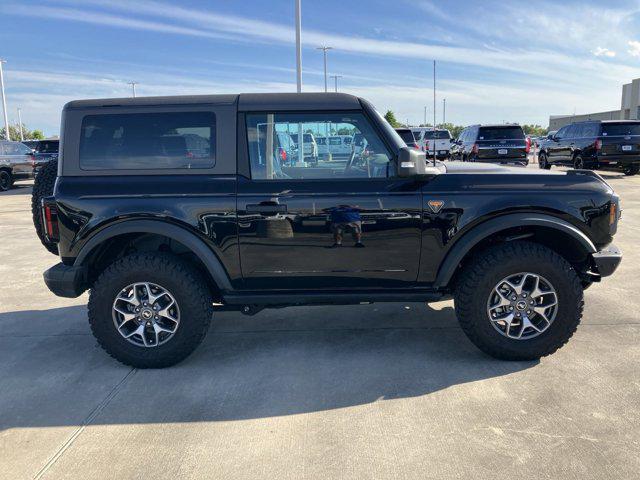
x,y
167,206
17,162
610,144
505,144
44,150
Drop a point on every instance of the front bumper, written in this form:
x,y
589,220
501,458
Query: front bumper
x,y
607,260
66,280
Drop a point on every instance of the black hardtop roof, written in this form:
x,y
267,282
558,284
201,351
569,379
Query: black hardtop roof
x,y
245,101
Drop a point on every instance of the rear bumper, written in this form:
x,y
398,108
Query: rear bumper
x,y
66,280
621,160
607,260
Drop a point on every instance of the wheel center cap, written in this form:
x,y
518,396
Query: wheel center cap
x,y
146,313
521,305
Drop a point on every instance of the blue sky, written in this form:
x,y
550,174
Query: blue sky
x,y
497,60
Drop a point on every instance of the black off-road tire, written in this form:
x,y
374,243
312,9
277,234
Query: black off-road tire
x,y
631,170
187,286
578,163
6,180
543,162
478,279
43,187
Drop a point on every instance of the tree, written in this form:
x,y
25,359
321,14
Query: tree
x,y
14,132
534,130
391,118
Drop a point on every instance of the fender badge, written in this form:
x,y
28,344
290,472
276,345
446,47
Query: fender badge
x,y
435,205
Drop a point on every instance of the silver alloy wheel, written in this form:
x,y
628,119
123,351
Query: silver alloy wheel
x,y
146,314
522,306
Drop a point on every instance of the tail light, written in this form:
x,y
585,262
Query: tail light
x,y
527,147
32,158
474,149
426,145
613,214
50,219
283,154
416,146
598,145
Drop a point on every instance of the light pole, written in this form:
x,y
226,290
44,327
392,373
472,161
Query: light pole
x,y
335,79
324,53
7,135
425,116
434,112
20,124
133,88
298,46
444,111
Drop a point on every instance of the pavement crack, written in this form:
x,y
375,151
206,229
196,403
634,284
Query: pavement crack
x,y
86,422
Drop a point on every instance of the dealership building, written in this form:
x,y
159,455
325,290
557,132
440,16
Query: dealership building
x,y
629,109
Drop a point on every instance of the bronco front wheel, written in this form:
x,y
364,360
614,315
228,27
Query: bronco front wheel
x,y
519,301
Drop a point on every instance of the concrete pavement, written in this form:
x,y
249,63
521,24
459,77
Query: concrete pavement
x,y
379,391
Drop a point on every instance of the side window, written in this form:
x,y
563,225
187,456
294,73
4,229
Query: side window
x,y
590,130
148,141
572,131
16,148
346,146
560,134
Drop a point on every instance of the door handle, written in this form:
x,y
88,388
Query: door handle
x,y
260,208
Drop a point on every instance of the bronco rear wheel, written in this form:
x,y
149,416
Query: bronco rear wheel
x,y
519,301
150,310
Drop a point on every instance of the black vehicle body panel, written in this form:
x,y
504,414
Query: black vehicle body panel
x,y
411,249
579,139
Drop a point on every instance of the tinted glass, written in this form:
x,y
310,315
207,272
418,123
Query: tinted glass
x,y
610,129
15,148
407,136
48,146
501,133
272,159
149,141
438,135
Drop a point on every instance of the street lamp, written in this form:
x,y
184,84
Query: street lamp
x,y
335,79
324,53
7,135
20,124
298,46
133,88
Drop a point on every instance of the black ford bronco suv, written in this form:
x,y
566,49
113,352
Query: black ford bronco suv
x,y
169,208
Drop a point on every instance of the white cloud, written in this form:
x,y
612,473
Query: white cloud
x,y
603,52
634,48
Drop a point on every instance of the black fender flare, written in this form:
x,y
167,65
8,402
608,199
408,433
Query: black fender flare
x,y
188,239
478,233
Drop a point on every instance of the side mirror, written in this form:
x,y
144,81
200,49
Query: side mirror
x,y
411,162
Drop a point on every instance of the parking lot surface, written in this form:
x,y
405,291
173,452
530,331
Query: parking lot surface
x,y
378,391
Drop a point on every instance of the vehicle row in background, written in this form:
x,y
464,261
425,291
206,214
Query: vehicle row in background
x,y
22,160
595,144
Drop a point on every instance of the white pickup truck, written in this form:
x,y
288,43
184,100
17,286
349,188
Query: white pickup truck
x,y
425,138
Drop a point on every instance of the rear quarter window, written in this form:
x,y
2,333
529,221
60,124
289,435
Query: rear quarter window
x,y
146,141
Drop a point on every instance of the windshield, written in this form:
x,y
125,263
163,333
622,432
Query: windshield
x,y
501,133
622,129
438,134
406,135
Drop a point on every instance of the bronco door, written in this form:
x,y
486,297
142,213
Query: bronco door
x,y
339,221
